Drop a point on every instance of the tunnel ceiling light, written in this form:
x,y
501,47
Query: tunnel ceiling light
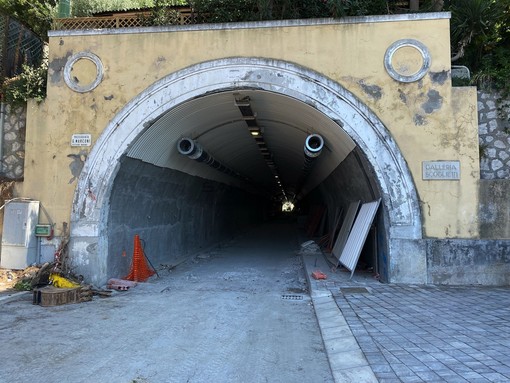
x,y
250,117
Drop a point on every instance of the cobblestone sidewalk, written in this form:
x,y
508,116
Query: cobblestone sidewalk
x,y
430,333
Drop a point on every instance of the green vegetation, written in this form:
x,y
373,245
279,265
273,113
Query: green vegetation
x,y
36,14
23,285
480,28
481,41
81,8
30,84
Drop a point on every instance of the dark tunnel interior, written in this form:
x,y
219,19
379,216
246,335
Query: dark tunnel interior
x,y
181,206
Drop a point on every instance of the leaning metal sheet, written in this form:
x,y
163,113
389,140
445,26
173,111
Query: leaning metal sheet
x,y
358,235
345,229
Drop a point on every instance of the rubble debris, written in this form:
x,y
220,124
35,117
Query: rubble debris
x,y
309,247
18,279
317,274
120,284
42,277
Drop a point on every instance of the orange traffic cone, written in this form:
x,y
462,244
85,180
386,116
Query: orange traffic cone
x,y
140,271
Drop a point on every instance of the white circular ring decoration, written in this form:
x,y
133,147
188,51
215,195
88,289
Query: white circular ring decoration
x,y
71,83
388,57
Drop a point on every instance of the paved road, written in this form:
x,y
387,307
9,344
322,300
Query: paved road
x,y
241,313
230,316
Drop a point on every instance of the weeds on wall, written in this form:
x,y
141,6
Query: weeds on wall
x,y
29,84
482,151
6,190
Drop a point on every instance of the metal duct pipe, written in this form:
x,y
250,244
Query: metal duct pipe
x,y
191,149
313,148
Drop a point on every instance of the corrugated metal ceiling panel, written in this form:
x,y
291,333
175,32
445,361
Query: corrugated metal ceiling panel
x,y
216,123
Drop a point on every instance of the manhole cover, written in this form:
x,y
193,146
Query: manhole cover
x,y
292,297
354,290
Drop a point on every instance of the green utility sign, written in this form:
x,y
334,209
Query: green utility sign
x,y
42,230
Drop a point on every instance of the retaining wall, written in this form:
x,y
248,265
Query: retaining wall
x,y
494,137
13,153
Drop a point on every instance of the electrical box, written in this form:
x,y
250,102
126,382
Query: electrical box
x,y
42,230
19,243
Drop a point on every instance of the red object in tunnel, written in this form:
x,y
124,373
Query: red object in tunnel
x,y
319,275
140,271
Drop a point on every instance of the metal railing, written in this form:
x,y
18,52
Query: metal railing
x,y
18,46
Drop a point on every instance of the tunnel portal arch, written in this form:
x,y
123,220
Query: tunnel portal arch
x,y
89,247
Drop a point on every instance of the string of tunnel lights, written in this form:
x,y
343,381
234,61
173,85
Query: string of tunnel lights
x,y
312,149
257,132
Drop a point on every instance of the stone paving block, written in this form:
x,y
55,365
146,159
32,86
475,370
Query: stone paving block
x,y
496,377
358,375
411,379
381,368
401,370
375,358
418,367
428,376
481,380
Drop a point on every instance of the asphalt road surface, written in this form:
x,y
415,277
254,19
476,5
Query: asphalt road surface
x,y
237,313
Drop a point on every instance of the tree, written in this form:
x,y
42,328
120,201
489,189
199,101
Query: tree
x,y
481,40
82,8
35,14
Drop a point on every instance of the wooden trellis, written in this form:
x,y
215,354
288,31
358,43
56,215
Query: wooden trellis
x,y
130,20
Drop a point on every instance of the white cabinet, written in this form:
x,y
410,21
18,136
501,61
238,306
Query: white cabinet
x,y
19,244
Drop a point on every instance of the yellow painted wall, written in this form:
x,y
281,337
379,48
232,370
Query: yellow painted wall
x,y
351,54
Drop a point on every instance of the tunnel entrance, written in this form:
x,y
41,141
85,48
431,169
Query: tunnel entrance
x,y
180,205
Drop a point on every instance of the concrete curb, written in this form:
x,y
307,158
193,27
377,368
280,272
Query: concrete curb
x,y
346,360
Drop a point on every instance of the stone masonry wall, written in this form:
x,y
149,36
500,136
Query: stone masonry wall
x,y
13,153
494,138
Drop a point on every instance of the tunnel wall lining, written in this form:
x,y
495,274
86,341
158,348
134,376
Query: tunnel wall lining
x,y
89,242
175,214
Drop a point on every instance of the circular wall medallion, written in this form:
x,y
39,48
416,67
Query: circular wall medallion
x,y
407,60
83,72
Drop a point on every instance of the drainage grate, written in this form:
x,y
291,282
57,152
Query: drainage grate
x,y
354,290
292,297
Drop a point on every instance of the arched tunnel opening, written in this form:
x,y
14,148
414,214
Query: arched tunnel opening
x,y
211,167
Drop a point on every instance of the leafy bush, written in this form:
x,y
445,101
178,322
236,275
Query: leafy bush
x,y
30,84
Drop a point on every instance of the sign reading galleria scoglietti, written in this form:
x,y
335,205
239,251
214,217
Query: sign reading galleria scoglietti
x,y
441,170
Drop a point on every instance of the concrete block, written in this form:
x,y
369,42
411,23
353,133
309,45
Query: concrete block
x,y
358,375
347,359
410,264
336,332
342,345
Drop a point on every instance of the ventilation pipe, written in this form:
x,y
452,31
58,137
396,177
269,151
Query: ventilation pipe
x,y
191,149
313,148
